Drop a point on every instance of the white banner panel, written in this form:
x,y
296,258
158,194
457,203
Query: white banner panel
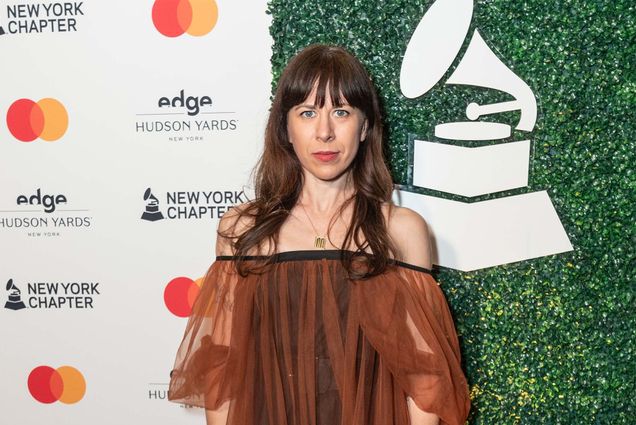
x,y
126,133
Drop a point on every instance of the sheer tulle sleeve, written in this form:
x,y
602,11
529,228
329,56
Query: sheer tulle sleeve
x,y
406,318
199,374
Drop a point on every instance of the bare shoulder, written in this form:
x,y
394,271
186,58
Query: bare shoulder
x,y
232,224
410,234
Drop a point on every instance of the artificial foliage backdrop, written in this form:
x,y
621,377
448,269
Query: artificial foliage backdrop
x,y
549,340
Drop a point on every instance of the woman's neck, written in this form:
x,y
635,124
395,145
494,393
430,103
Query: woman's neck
x,y
324,196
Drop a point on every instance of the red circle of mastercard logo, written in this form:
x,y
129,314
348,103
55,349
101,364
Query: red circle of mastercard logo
x,y
65,384
27,120
172,18
180,294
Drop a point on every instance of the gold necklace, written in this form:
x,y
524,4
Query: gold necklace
x,y
319,241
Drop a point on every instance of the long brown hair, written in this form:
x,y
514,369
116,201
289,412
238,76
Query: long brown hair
x,y
279,176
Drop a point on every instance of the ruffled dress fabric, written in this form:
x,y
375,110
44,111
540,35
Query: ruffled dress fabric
x,y
301,344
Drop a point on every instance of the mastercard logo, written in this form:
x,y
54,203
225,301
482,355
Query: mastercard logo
x,y
180,294
172,18
27,120
65,384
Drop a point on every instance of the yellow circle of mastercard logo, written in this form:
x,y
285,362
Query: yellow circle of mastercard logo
x,y
173,18
65,384
27,120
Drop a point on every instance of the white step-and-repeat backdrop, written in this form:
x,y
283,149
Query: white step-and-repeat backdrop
x,y
129,128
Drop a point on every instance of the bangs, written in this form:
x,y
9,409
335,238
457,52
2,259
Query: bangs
x,y
331,74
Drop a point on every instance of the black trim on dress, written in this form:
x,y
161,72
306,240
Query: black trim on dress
x,y
311,255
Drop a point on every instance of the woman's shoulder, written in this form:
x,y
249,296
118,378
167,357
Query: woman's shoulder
x,y
233,224
410,234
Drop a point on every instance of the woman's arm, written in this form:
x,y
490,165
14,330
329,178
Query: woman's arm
x,y
231,225
223,247
219,416
418,416
409,232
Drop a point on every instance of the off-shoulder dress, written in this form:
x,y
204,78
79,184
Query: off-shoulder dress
x,y
301,344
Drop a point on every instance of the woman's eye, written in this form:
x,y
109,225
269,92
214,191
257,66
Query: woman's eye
x,y
341,112
308,114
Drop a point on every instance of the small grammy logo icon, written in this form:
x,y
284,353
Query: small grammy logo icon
x,y
15,301
152,212
475,234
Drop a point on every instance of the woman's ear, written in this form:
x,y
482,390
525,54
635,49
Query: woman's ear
x,y
363,133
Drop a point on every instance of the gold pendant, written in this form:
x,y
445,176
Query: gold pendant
x,y
320,242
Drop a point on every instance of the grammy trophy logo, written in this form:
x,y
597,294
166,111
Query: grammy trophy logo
x,y
496,231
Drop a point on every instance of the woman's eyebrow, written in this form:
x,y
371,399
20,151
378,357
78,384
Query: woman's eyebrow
x,y
305,105
310,106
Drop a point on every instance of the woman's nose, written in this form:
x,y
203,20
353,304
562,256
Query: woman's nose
x,y
325,129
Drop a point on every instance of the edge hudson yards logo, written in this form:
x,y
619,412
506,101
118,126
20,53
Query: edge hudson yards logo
x,y
184,118
46,119
188,205
27,18
44,215
476,156
52,295
173,18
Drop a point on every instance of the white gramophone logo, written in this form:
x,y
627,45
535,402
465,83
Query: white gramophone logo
x,y
475,235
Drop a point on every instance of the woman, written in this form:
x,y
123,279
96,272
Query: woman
x,y
320,308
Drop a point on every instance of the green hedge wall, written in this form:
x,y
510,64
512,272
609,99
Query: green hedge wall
x,y
549,340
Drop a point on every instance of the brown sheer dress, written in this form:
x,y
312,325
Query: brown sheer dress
x,y
300,344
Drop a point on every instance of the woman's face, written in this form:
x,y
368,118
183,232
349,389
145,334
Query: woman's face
x,y
326,139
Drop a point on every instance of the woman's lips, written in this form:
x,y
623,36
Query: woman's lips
x,y
325,156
